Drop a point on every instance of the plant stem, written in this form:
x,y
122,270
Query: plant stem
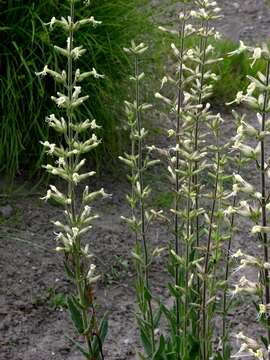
x,y
82,303
206,263
177,186
203,46
142,205
71,190
187,261
224,306
264,196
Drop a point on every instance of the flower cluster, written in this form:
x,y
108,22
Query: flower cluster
x,y
198,229
250,142
249,348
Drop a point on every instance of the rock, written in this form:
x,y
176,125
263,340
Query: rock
x,y
6,211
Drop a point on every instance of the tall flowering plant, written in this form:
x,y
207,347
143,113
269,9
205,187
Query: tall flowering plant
x,y
251,142
68,166
199,208
139,161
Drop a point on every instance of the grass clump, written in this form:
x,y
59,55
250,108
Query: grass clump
x,y
24,43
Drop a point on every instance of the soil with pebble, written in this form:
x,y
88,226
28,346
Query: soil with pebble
x,y
32,322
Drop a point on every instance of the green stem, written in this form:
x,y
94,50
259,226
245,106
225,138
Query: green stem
x,y
71,190
224,305
206,264
177,186
82,302
203,46
264,197
142,205
186,312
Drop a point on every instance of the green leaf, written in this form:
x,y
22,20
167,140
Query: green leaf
x,y
99,339
264,341
157,316
218,357
160,351
75,314
141,357
145,339
79,347
147,294
174,292
103,329
69,273
169,316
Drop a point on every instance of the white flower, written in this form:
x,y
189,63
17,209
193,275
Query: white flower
x,y
58,236
251,88
247,150
171,132
181,15
171,31
93,21
163,81
238,254
52,22
260,229
187,97
175,50
209,48
217,35
50,147
256,55
61,100
76,93
91,271
104,194
245,287
242,185
68,43
94,125
61,162
239,98
190,53
76,178
47,196
163,98
90,277
229,211
51,119
75,232
96,75
240,50
44,72
78,52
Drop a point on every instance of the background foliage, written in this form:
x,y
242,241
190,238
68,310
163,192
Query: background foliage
x,y
24,47
26,44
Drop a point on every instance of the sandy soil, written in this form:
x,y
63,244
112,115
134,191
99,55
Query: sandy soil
x,y
31,272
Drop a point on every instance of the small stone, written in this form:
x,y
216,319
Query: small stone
x,y
6,211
